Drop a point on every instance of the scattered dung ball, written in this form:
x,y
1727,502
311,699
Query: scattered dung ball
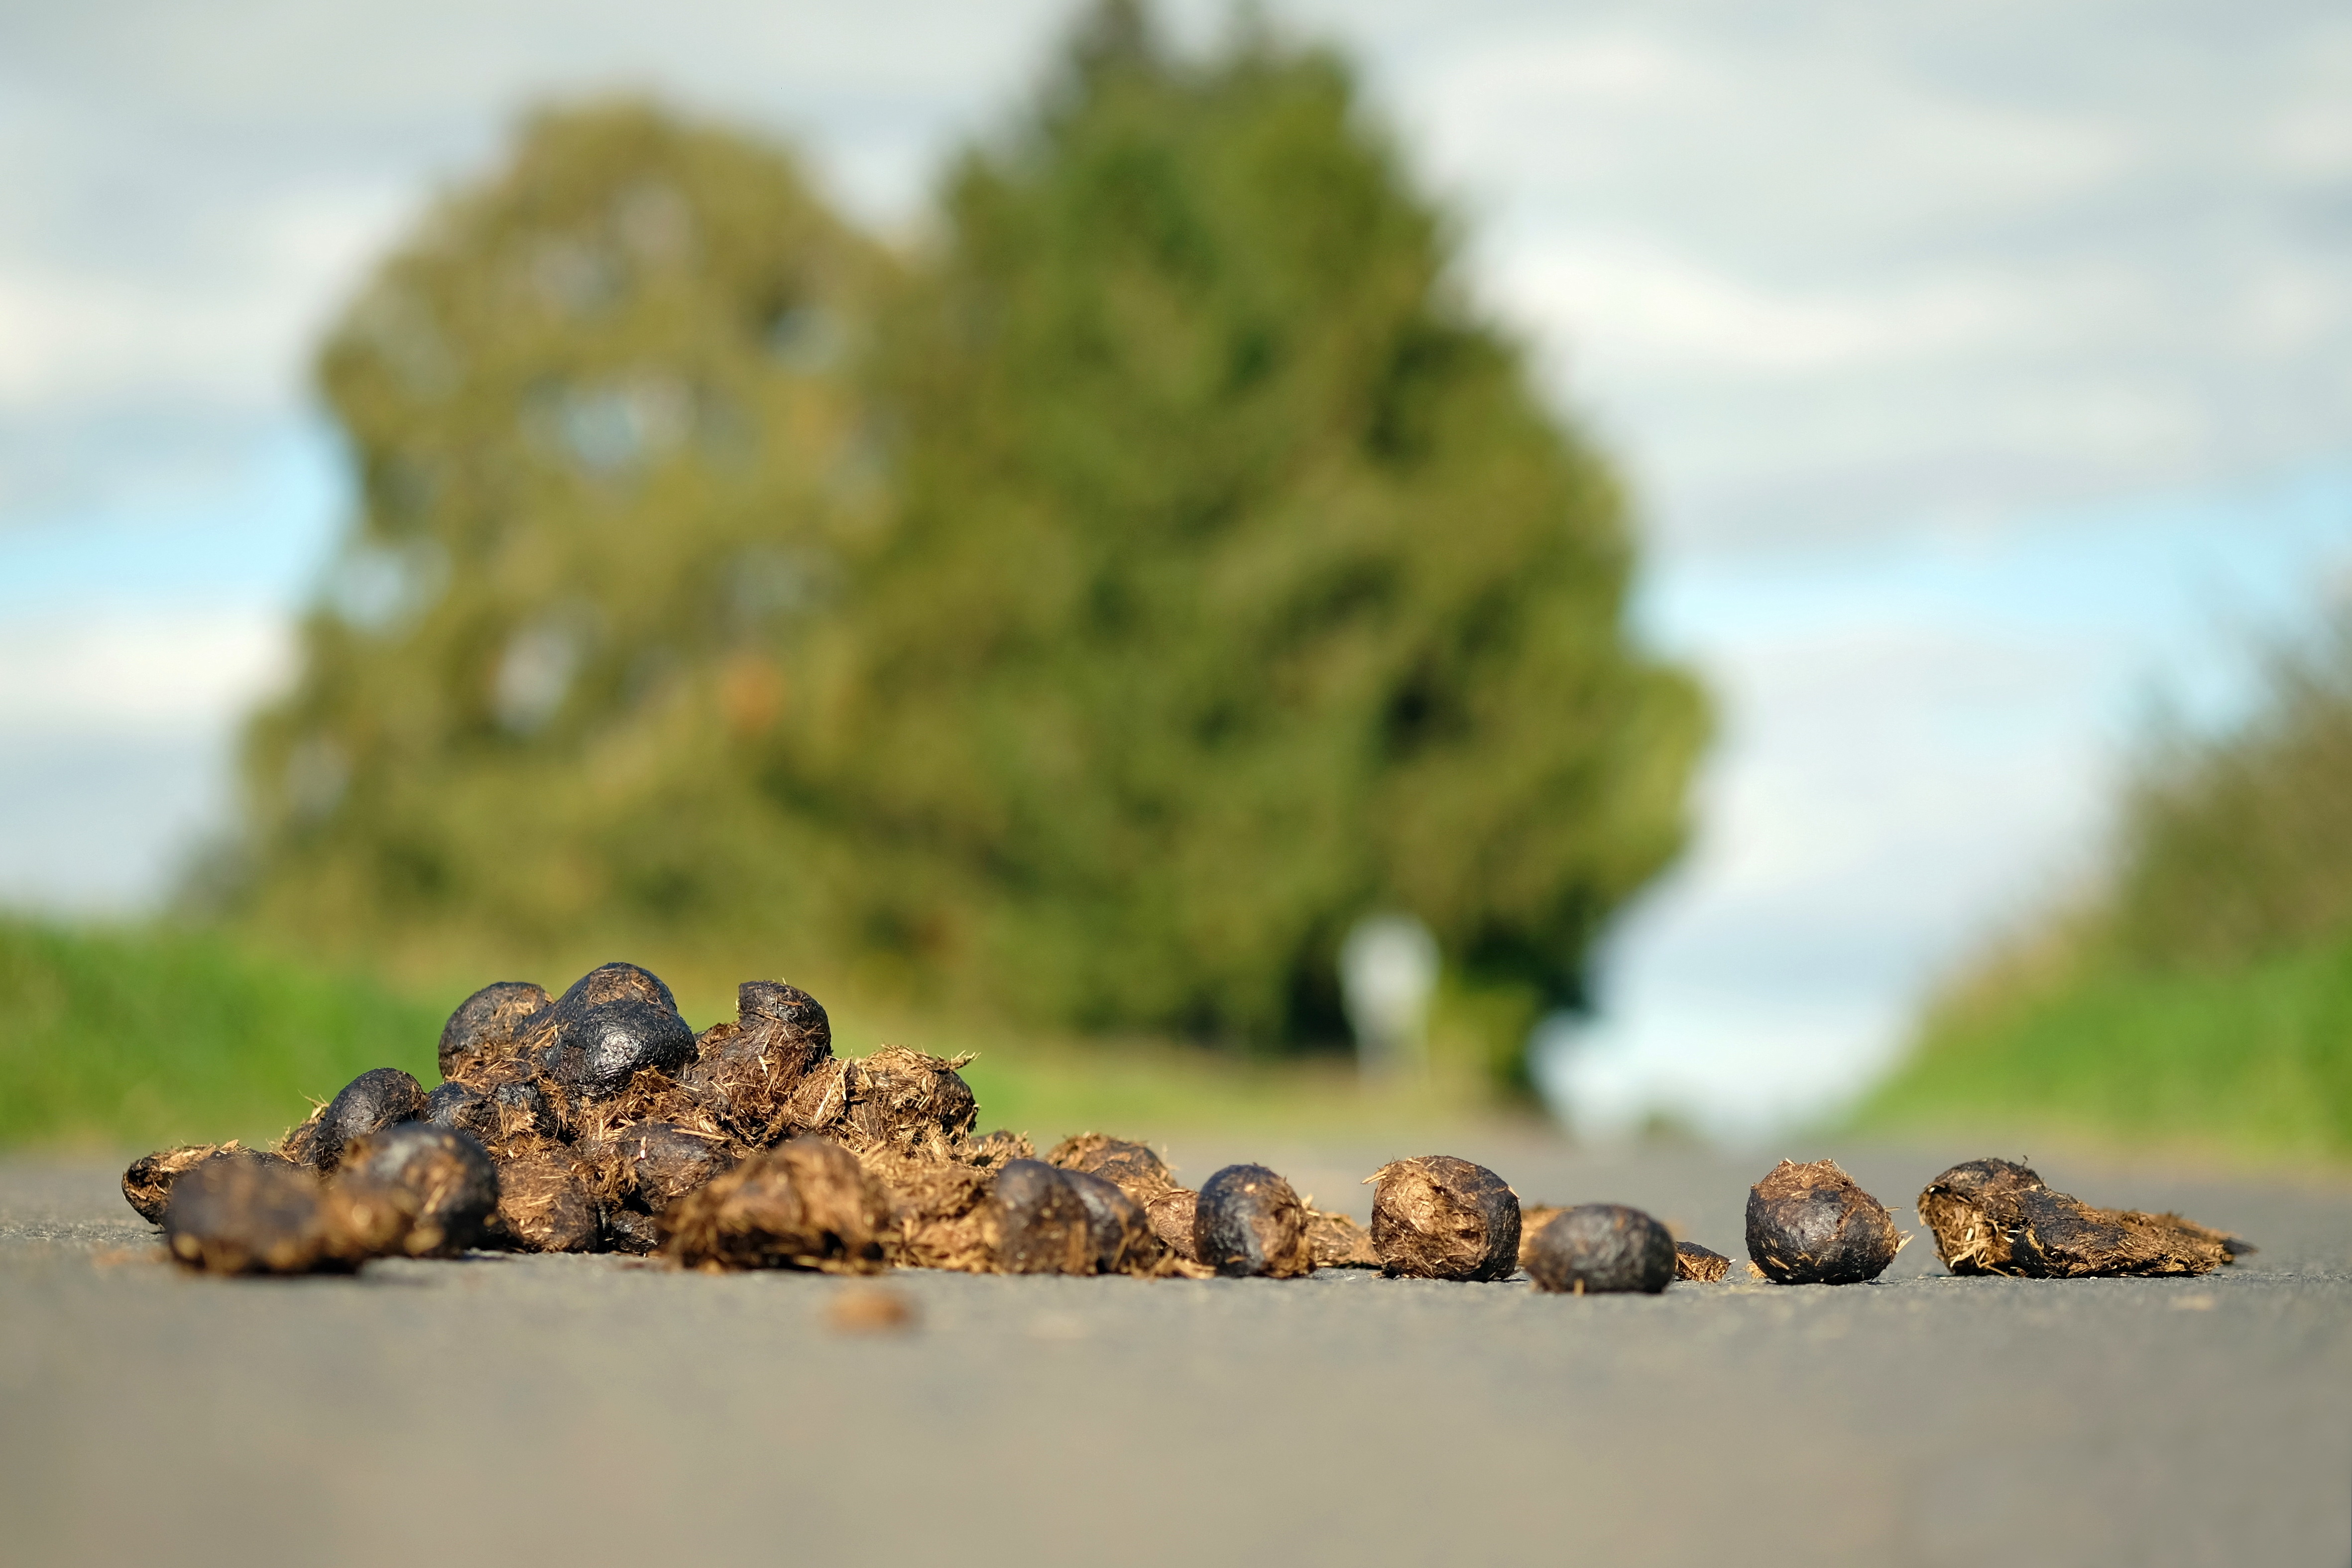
x,y
1437,1218
1040,1219
807,1203
485,1024
378,1099
1996,1217
1249,1222
544,1205
595,1054
747,1075
1337,1242
1705,1264
1171,1216
249,1216
448,1173
788,1006
907,1103
1596,1248
1809,1225
1134,1168
617,983
869,1310
632,1231
147,1184
1531,1219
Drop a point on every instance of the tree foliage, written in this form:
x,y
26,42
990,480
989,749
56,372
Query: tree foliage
x,y
1091,620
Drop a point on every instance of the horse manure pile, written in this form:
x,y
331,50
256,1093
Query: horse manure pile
x,y
1994,1216
599,1121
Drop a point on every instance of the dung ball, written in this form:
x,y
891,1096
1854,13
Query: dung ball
x,y
788,1006
907,1103
1594,1248
147,1184
451,1177
748,1074
1810,1224
1249,1221
632,1231
1037,1221
595,1054
805,1204
1171,1216
617,983
378,1099
544,1205
1134,1168
1437,1218
247,1217
486,1024
1702,1264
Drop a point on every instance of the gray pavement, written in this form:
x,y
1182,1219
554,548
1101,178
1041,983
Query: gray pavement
x,y
581,1410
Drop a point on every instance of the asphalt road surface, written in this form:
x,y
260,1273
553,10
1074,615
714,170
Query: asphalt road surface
x,y
589,1410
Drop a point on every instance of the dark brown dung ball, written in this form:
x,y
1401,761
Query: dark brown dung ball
x,y
1249,1222
807,1203
1996,1217
1117,1235
617,983
1171,1216
450,1175
544,1205
1437,1218
499,1102
1703,1264
595,1055
377,1098
632,1231
907,1103
1595,1248
665,1162
1133,1168
147,1184
1040,1219
486,1024
1809,1225
249,1216
787,1006
748,1074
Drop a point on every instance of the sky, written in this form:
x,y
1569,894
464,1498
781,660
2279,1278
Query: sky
x,y
1982,375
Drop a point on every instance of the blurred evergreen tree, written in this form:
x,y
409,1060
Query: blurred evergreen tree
x,y
1090,623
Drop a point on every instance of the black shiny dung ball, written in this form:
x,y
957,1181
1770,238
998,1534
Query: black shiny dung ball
x,y
596,1054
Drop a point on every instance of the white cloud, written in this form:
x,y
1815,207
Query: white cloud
x,y
124,672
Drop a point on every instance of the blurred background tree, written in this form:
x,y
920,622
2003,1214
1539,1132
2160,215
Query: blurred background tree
x,y
610,452
1240,585
1086,623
